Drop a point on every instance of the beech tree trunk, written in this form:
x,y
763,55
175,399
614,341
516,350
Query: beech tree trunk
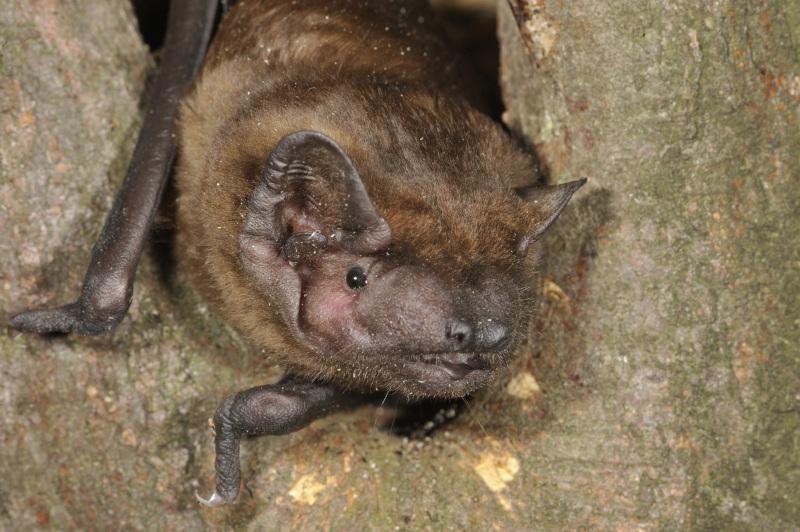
x,y
670,342
660,388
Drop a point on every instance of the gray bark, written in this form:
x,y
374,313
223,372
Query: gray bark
x,y
665,349
673,364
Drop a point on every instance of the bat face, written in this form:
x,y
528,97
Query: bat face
x,y
404,267
368,312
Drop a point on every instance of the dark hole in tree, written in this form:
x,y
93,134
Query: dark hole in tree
x,y
472,26
152,17
418,419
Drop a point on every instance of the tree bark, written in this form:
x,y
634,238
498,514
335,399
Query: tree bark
x,y
660,388
669,327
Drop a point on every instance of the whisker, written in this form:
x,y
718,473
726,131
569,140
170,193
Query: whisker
x,y
376,413
474,416
394,415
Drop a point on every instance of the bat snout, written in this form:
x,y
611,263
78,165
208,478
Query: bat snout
x,y
460,335
486,336
492,336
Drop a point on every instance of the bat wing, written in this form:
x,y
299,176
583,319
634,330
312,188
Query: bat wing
x,y
108,285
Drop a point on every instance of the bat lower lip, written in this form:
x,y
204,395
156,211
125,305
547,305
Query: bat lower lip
x,y
442,374
458,365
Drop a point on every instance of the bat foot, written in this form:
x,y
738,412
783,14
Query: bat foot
x,y
214,501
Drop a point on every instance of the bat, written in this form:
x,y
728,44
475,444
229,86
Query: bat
x,y
343,202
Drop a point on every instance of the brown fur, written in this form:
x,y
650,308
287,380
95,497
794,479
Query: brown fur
x,y
399,103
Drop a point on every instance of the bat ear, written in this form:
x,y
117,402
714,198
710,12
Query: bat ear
x,y
549,202
308,180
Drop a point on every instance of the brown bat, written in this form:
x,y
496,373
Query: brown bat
x,y
343,202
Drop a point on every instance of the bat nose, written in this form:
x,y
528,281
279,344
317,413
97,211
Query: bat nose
x,y
460,335
491,335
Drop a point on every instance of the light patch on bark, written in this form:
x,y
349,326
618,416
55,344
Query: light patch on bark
x,y
524,386
306,489
497,468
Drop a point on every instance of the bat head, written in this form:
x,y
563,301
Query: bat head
x,y
422,291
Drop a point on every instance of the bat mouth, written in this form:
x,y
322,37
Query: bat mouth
x,y
458,365
442,375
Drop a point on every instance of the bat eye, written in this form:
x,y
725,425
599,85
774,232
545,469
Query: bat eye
x,y
356,277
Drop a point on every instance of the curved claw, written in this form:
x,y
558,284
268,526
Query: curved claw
x,y
13,333
214,501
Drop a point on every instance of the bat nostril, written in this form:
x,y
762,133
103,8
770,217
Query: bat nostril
x,y
492,336
459,334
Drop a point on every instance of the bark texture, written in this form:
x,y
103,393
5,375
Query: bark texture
x,y
661,386
672,291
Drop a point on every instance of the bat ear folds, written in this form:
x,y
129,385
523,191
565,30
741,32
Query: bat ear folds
x,y
549,202
310,185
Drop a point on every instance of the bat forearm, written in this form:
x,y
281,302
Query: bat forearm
x,y
108,284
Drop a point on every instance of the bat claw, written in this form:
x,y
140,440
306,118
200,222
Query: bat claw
x,y
214,501
13,333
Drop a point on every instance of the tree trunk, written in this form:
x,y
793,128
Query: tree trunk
x,y
661,385
669,325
